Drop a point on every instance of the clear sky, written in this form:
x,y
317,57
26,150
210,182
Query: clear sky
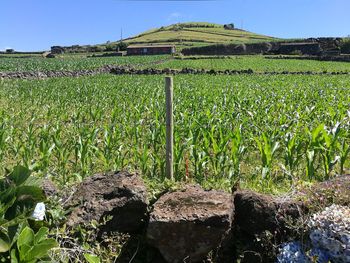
x,y
39,24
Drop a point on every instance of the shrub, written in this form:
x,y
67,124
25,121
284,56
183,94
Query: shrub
x,y
111,48
122,46
95,49
19,194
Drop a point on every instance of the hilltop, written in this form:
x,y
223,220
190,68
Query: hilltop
x,y
183,35
195,34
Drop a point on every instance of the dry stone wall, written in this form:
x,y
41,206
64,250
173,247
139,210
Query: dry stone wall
x,y
195,225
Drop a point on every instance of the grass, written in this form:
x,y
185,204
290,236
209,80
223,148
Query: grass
x,y
192,35
195,34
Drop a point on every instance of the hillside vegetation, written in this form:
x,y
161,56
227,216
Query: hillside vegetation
x,y
195,34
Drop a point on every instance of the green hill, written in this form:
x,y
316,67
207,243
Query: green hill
x,y
195,34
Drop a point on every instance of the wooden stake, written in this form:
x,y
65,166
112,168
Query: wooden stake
x,y
169,128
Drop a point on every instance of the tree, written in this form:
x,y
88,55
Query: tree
x,y
122,46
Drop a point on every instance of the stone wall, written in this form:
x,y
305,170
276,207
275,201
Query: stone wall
x,y
232,49
192,224
311,46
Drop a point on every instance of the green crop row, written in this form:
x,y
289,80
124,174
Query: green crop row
x,y
268,132
258,64
70,62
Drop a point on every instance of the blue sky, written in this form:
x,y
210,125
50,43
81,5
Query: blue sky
x,y
39,24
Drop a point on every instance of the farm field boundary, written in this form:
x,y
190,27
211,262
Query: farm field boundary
x,y
149,71
342,58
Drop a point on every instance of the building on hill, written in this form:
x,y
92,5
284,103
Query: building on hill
x,y
229,26
151,50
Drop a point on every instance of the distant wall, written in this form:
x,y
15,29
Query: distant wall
x,y
21,53
231,49
302,48
311,46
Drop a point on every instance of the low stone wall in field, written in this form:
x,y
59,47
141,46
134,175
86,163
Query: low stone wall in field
x,y
191,224
54,74
151,71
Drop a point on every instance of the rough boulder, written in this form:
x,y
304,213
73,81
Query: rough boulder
x,y
119,196
186,225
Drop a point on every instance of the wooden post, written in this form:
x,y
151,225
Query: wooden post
x,y
169,128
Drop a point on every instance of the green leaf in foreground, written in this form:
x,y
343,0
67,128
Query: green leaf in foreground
x,y
92,258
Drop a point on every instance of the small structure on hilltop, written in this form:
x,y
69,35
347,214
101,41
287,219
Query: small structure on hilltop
x,y
229,26
57,50
151,50
9,50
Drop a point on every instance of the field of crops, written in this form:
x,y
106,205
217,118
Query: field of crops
x,y
69,62
258,64
268,132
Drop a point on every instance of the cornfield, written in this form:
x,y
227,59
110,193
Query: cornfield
x,y
267,132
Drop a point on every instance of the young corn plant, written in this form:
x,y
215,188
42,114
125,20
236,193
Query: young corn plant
x,y
315,146
84,149
3,138
236,153
141,160
267,147
218,144
344,150
26,149
110,140
329,150
180,149
46,147
62,152
199,157
293,152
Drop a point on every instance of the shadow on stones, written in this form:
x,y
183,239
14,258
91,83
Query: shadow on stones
x,y
136,250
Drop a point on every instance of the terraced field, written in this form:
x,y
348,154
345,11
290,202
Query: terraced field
x,y
195,34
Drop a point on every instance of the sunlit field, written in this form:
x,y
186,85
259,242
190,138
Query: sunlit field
x,y
267,132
